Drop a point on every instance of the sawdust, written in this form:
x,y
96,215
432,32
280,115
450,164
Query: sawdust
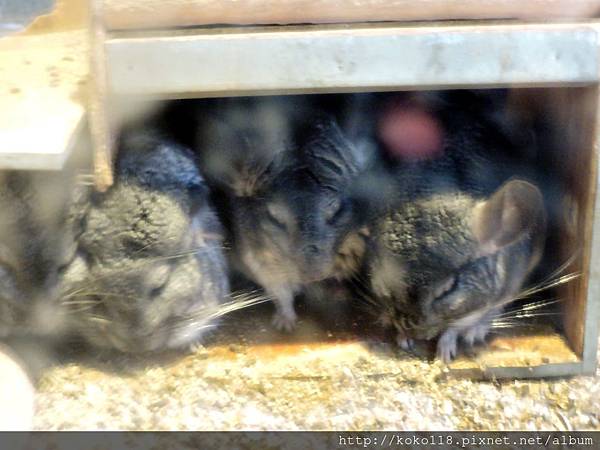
x,y
330,382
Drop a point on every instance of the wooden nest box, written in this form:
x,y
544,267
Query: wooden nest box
x,y
546,51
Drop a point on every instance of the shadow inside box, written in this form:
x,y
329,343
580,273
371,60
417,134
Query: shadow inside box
x,y
321,324
318,321
325,326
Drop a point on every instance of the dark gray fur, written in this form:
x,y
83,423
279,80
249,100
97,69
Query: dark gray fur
x,y
293,219
150,272
459,239
39,224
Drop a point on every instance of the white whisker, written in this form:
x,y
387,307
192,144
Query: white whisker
x,y
547,285
530,307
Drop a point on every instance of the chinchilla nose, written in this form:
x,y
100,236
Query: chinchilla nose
x,y
315,264
46,317
311,250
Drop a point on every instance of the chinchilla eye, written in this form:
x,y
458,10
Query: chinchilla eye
x,y
334,210
157,279
406,323
277,215
445,288
7,259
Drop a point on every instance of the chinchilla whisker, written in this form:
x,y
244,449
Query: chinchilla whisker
x,y
81,309
86,295
366,307
363,289
73,293
223,309
540,287
144,247
99,295
83,293
528,307
506,326
238,304
369,300
547,285
241,293
80,302
206,327
191,252
369,304
173,256
563,267
539,304
503,323
530,315
207,236
503,320
372,301
240,301
495,326
364,297
526,312
361,281
98,319
244,296
494,331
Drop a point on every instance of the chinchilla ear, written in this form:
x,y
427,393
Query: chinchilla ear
x,y
252,175
364,151
240,161
514,210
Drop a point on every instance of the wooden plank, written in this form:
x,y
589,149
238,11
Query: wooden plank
x,y
134,14
530,352
527,349
592,234
571,151
43,94
577,118
100,122
66,15
229,62
543,371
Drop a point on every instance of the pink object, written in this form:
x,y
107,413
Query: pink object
x,y
409,131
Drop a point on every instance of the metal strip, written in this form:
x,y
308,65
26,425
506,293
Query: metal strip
x,y
547,370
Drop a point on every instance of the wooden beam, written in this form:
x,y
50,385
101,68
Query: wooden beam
x,y
66,15
42,100
100,123
591,267
134,14
242,61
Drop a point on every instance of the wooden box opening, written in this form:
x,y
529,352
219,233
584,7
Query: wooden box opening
x,y
552,70
554,342
568,149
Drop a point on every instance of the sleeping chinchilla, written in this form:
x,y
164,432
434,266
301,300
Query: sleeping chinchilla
x,y
287,170
40,221
150,272
457,243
